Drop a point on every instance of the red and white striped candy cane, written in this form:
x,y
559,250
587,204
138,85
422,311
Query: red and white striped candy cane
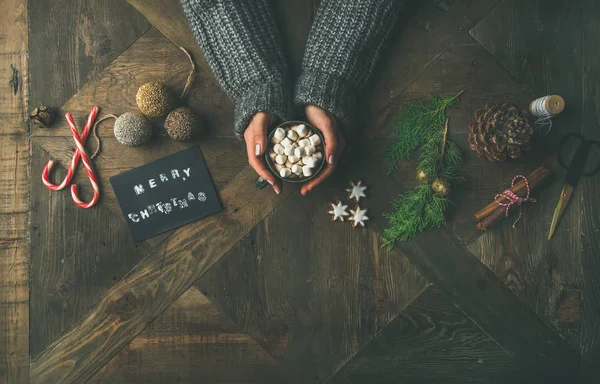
x,y
79,153
74,160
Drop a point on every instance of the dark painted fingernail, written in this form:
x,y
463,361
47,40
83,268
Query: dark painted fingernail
x,y
276,190
270,182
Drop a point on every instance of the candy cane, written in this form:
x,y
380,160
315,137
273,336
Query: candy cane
x,y
74,160
86,163
80,153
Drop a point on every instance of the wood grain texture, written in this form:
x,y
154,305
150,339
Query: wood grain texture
x,y
167,16
73,40
312,293
13,34
412,49
154,284
539,271
589,187
192,342
14,202
431,341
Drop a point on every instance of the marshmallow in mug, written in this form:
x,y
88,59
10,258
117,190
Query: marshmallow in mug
x,y
302,130
296,151
281,159
279,134
304,143
288,151
285,172
279,149
315,140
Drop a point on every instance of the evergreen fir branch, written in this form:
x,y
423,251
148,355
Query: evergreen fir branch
x,y
420,209
418,122
430,158
414,212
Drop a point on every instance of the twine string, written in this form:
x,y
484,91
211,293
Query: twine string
x,y
97,137
514,199
192,75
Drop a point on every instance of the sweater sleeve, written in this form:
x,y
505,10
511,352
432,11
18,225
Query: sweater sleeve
x,y
342,50
242,45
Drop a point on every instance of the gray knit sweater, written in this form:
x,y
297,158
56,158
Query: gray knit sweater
x,y
242,45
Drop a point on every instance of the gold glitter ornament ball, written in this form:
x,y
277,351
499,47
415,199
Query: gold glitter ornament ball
x,y
423,176
441,187
155,99
132,129
182,124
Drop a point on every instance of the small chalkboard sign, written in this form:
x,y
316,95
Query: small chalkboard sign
x,y
166,193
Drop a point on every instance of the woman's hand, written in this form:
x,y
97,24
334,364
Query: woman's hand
x,y
334,143
255,137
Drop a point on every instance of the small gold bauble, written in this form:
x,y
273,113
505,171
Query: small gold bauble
x,y
155,99
423,176
441,187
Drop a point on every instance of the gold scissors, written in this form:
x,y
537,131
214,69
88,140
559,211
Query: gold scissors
x,y
575,169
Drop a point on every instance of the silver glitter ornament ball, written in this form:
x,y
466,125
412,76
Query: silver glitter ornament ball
x,y
133,129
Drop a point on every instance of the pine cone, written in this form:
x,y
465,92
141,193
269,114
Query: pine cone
x,y
499,132
42,116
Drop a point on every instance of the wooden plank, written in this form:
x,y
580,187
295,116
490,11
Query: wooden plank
x,y
589,187
14,196
413,49
431,341
487,301
154,284
13,34
73,40
191,342
167,16
312,293
547,58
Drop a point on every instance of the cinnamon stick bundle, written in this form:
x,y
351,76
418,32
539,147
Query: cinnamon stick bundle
x,y
494,212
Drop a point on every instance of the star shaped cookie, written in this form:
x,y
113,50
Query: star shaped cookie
x,y
338,211
356,191
359,216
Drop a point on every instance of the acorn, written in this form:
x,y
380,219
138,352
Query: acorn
x,y
42,116
182,124
423,176
132,129
155,99
441,187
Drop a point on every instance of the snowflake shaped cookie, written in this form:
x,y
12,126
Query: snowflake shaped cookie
x,y
338,211
356,191
359,216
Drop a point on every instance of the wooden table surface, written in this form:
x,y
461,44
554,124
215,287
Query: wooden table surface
x,y
242,297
